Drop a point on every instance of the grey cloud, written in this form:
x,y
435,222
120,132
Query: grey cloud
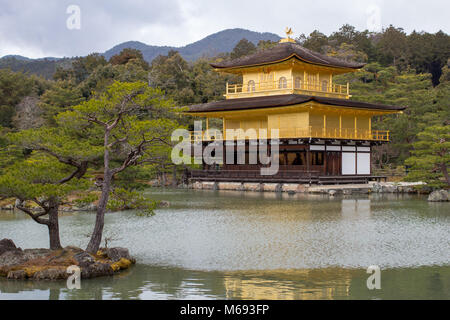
x,y
42,24
38,28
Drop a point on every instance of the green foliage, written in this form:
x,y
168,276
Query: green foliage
x,y
136,120
346,34
348,52
8,153
170,73
431,157
37,178
427,105
123,199
44,68
86,199
71,144
6,115
243,48
429,53
129,55
104,76
13,88
80,68
316,41
411,70
392,47
59,98
188,83
135,177
128,124
419,51
266,44
134,100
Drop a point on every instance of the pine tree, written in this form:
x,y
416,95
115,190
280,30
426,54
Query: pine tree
x,y
431,157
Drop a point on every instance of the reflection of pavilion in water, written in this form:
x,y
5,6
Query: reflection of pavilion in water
x,y
355,207
305,284
430,282
146,282
338,208
313,284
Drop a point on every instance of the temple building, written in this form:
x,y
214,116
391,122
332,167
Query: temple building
x,y
324,137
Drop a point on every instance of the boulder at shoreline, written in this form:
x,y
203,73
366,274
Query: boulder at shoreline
x,y
439,196
46,264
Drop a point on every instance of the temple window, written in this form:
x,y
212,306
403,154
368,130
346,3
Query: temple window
x,y
311,81
297,158
298,82
251,86
282,83
317,158
325,85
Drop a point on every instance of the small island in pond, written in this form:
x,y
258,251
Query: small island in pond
x,y
46,264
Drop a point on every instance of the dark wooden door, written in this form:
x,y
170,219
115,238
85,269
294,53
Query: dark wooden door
x,y
333,167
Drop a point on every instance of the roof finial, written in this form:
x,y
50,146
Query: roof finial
x,y
289,33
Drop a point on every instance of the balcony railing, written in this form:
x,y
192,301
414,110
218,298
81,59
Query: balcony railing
x,y
297,133
287,86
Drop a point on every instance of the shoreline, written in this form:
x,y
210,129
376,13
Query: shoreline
x,y
293,188
289,188
46,264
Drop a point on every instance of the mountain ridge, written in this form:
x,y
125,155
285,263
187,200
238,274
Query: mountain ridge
x,y
220,42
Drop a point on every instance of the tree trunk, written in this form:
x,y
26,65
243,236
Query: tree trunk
x,y
163,177
445,173
159,177
96,237
53,227
185,178
174,177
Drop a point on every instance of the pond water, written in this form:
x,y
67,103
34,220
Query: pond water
x,y
243,245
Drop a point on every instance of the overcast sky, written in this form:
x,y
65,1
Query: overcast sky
x,y
39,28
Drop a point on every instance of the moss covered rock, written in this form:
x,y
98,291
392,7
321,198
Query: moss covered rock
x,y
45,264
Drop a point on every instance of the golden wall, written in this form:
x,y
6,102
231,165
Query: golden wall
x,y
302,120
274,75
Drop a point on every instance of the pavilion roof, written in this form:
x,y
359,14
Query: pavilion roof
x,y
285,100
286,51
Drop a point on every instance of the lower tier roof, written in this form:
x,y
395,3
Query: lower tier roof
x,y
285,100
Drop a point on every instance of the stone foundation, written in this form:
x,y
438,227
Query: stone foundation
x,y
252,187
290,187
346,189
271,187
197,185
209,185
230,186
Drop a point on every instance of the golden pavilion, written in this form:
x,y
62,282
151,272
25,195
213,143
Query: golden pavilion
x,y
324,137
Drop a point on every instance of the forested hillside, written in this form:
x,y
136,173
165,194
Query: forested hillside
x,y
214,44
43,67
402,69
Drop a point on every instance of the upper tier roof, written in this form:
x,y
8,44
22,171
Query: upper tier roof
x,y
285,51
282,101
